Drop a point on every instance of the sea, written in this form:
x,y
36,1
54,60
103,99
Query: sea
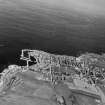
x,y
32,24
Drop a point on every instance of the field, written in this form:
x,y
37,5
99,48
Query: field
x,y
38,92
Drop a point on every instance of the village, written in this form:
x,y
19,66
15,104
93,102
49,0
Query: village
x,y
77,73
